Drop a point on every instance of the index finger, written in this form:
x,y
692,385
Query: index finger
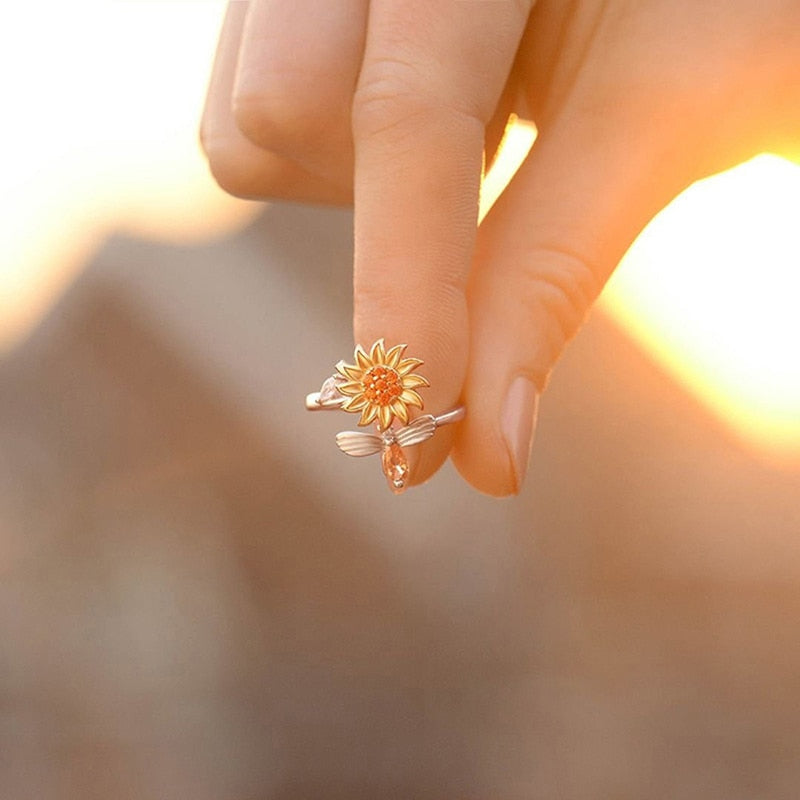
x,y
432,74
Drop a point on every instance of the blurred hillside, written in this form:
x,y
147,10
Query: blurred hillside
x,y
193,604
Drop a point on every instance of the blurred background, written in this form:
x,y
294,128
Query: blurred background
x,y
193,606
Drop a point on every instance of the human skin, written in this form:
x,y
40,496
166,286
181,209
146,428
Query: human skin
x,y
393,104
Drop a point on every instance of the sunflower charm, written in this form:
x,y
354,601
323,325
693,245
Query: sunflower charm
x,y
381,385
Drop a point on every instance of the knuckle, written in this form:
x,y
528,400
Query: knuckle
x,y
266,119
229,171
563,285
245,172
389,97
398,98
232,167
286,119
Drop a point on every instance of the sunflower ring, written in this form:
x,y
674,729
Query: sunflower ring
x,y
381,386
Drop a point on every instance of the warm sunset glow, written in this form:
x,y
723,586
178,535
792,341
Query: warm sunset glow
x,y
711,290
100,134
103,137
518,139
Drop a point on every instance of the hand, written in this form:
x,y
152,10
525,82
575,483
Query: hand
x,y
391,104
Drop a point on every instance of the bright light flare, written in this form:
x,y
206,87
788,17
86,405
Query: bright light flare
x,y
102,102
518,138
712,289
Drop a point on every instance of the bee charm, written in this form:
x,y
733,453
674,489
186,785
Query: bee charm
x,y
389,444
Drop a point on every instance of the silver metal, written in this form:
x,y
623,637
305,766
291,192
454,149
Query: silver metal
x,y
315,403
454,415
361,443
328,396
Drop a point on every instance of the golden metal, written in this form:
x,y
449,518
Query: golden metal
x,y
381,384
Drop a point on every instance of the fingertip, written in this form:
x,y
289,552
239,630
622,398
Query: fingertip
x,y
483,458
507,372
481,453
518,424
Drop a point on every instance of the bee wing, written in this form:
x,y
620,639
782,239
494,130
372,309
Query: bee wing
x,y
420,430
359,443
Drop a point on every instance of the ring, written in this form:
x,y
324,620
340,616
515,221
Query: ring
x,y
381,386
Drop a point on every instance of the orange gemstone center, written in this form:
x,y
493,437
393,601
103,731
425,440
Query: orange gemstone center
x,y
381,385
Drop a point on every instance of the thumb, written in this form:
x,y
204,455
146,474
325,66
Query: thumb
x,y
543,253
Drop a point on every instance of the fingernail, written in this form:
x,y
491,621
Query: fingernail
x,y
518,424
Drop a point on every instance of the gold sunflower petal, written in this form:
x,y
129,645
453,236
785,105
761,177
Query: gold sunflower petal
x,y
408,364
385,416
352,388
394,355
400,411
413,381
354,403
411,398
349,371
362,359
368,414
378,353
